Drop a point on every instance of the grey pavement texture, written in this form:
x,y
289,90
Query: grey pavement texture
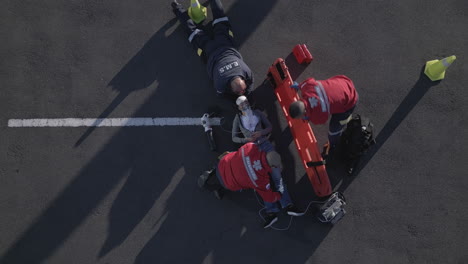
x,y
129,195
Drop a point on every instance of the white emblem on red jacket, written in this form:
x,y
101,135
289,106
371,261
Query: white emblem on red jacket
x,y
313,102
257,165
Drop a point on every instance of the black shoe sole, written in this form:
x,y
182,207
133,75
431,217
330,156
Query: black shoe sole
x,y
202,179
175,4
296,213
271,223
218,194
177,8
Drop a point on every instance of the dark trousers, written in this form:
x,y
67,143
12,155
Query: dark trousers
x,y
337,126
214,181
221,37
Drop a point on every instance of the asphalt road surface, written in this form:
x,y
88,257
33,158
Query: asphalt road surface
x,y
129,194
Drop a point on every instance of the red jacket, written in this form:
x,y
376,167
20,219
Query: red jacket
x,y
247,168
331,96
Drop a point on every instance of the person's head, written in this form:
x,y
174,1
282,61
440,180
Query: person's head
x,y
242,103
238,85
274,159
297,110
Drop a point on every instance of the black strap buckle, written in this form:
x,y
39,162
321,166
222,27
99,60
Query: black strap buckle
x,y
316,163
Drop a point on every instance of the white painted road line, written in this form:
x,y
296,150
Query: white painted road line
x,y
111,122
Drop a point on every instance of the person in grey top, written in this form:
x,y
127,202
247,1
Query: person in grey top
x,y
251,125
225,65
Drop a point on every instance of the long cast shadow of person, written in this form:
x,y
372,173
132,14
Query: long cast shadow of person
x,y
144,156
152,63
420,88
119,230
162,58
139,73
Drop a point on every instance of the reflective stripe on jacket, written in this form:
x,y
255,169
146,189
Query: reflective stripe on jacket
x,y
325,97
247,168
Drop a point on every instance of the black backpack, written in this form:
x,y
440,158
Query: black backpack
x,y
356,140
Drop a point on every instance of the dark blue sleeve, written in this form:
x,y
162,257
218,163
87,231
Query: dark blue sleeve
x,y
249,79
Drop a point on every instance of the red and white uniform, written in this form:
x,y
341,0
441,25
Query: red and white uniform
x,y
248,168
326,97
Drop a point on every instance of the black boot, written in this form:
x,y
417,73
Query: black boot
x,y
177,8
203,178
219,193
270,219
294,211
182,14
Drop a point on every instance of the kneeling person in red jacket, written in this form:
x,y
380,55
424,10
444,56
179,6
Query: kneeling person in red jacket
x,y
335,96
252,168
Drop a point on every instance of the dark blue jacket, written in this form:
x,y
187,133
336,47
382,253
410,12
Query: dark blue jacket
x,y
223,65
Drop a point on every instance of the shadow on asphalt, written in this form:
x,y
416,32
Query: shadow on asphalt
x,y
139,73
129,160
127,163
420,88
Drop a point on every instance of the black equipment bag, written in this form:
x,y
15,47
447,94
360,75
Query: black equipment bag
x,y
356,140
